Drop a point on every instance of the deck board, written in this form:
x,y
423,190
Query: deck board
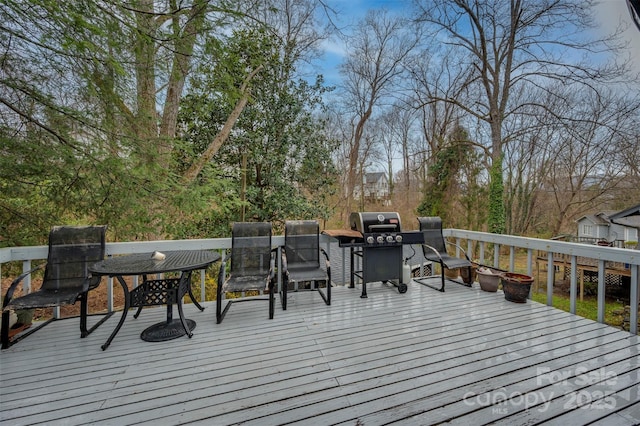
x,y
408,358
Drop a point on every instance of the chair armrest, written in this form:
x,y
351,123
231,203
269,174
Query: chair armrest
x,y
283,258
326,257
222,270
272,264
460,248
12,288
433,250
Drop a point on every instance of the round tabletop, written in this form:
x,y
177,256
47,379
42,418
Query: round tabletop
x,y
145,263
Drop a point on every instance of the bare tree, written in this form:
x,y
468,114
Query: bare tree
x,y
587,166
438,77
397,128
377,50
510,44
382,131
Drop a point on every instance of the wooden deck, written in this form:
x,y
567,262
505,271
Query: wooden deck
x,y
424,357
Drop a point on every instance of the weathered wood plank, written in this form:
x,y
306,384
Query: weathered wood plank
x,y
404,358
630,415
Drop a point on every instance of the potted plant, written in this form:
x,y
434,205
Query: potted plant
x,y
488,279
516,286
630,245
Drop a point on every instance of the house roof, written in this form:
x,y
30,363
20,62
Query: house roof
x,y
631,211
601,218
629,217
630,222
374,177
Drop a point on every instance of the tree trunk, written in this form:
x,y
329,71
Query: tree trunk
x,y
221,137
184,44
146,127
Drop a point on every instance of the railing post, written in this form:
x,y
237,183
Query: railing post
x,y
344,266
279,267
203,285
110,303
573,293
601,290
512,258
634,300
26,283
496,256
551,275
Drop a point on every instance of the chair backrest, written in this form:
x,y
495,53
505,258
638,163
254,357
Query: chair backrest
x,y
72,249
302,243
250,248
431,228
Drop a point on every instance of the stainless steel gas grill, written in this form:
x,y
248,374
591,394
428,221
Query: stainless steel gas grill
x,y
380,248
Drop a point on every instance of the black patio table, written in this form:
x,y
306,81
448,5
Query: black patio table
x,y
153,292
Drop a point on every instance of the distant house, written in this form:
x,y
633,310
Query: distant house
x,y
376,187
616,228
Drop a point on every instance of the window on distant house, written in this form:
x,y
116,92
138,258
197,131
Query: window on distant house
x,y
587,229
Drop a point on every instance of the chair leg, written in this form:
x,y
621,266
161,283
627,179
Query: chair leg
x,y
283,293
84,314
5,329
272,301
325,296
328,301
84,308
441,289
219,315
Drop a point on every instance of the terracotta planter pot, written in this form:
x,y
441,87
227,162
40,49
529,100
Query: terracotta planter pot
x,y
469,278
451,273
488,280
516,287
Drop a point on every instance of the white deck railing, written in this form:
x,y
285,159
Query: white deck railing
x,y
599,256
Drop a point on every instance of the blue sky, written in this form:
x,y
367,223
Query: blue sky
x,y
609,13
349,13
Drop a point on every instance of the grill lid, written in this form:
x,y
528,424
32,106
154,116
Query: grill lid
x,y
371,222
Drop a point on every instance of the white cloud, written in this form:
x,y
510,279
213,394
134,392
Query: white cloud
x,y
612,14
334,47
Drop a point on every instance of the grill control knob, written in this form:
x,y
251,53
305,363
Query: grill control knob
x,y
380,239
389,238
370,240
398,238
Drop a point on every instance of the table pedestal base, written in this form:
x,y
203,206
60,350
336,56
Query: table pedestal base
x,y
163,331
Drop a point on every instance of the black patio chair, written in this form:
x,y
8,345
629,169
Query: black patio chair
x,y
435,250
301,259
66,278
252,266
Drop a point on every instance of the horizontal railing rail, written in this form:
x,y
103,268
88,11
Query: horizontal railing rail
x,y
479,242
29,254
571,251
